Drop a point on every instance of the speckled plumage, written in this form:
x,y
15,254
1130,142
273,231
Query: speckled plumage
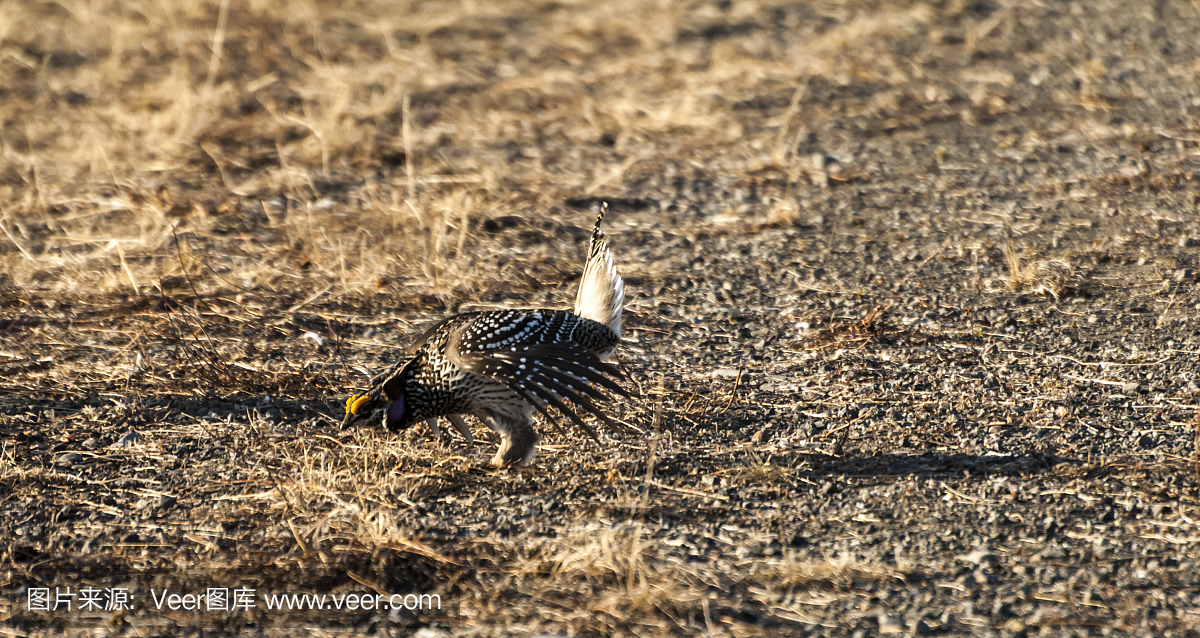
x,y
502,365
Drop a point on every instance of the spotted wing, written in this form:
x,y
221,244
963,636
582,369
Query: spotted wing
x,y
538,367
420,341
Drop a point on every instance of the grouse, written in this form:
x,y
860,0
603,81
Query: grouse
x,y
502,365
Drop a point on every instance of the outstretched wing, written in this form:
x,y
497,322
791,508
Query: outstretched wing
x,y
557,373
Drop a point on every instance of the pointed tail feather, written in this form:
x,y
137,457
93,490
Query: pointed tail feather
x,y
601,291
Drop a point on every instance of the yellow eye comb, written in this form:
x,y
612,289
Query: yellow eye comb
x,y
354,403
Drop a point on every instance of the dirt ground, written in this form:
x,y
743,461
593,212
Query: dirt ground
x,y
909,319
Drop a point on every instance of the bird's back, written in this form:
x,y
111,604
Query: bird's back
x,y
500,331
509,329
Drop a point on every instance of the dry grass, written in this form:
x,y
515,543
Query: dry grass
x,y
627,576
366,142
339,497
871,325
1039,276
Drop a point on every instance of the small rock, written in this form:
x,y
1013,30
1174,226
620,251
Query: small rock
x,y
70,458
890,625
165,501
431,632
1052,553
1129,388
723,373
91,443
921,628
978,557
818,175
127,440
1183,274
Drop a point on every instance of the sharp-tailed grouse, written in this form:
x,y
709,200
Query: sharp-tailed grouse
x,y
501,365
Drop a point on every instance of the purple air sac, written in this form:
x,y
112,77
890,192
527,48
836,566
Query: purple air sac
x,y
395,414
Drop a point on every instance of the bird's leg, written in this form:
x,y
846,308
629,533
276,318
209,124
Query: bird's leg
x,y
457,421
518,440
433,425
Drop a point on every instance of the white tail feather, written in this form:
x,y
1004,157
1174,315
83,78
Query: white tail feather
x,y
601,290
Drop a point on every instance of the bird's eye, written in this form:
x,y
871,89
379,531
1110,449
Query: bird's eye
x,y
355,403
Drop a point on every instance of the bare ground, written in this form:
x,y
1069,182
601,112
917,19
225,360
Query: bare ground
x,y
911,313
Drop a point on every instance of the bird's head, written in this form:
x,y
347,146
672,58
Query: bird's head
x,y
388,399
